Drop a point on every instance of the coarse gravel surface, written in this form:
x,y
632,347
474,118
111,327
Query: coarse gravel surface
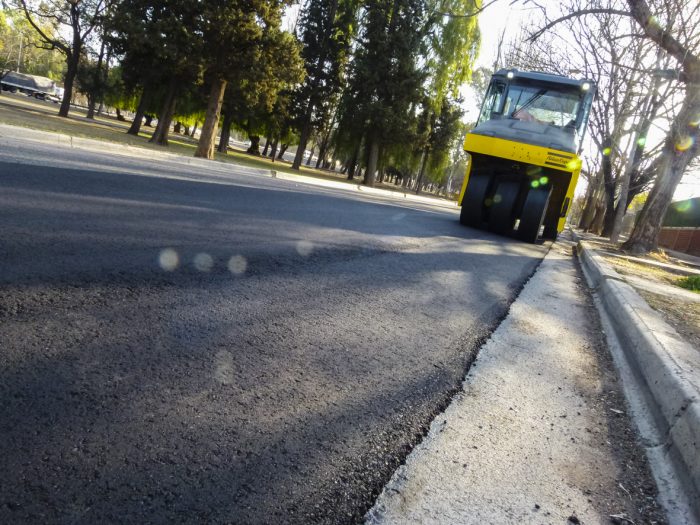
x,y
180,344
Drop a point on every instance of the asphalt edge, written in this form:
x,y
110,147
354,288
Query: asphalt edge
x,y
665,404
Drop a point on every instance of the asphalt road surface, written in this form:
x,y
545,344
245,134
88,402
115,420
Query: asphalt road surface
x,y
185,345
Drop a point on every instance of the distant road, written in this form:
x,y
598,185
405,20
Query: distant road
x,y
185,345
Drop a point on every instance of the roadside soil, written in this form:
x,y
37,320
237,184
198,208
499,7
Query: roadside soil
x,y
636,487
673,303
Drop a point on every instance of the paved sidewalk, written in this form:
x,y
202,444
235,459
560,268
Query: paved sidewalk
x,y
539,433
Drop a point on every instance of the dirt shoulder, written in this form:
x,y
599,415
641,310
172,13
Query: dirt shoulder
x,y
655,277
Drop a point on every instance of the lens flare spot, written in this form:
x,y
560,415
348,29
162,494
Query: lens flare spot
x,y
684,143
203,262
544,180
304,248
695,121
224,372
641,141
533,171
573,164
168,259
607,151
488,202
684,206
237,264
535,184
497,198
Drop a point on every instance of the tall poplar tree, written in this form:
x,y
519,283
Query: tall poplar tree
x,y
326,31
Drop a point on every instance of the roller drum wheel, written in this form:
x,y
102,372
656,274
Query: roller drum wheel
x,y
533,213
502,215
472,213
550,231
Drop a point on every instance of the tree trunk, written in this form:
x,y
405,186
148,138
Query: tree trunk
x,y
283,148
609,185
591,206
372,161
72,60
352,166
311,154
680,148
105,79
254,148
273,153
648,113
267,146
226,124
321,160
207,136
303,140
92,101
178,127
421,172
160,135
148,120
194,129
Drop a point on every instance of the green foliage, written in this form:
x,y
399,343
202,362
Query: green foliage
x,y
690,283
327,28
33,59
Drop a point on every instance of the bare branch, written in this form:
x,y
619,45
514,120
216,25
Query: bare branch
x,y
469,15
575,14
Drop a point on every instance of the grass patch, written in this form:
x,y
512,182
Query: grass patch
x,y
26,112
691,283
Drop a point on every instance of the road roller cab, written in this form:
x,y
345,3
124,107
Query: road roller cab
x,y
524,162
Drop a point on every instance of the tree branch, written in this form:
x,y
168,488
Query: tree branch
x,y
57,44
690,63
576,14
469,15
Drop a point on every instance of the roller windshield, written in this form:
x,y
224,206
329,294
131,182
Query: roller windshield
x,y
545,105
536,111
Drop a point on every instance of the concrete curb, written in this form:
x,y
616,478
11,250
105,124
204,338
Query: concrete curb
x,y
664,367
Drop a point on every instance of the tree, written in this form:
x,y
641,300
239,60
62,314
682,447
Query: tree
x,y
238,37
452,45
20,48
327,29
76,19
674,27
258,96
160,52
386,84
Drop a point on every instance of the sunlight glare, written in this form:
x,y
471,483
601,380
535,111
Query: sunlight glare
x,y
168,259
237,264
203,262
304,248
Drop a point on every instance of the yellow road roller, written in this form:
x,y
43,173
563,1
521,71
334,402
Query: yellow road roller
x,y
524,154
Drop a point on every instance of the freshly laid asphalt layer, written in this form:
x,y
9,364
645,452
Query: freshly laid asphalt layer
x,y
183,345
